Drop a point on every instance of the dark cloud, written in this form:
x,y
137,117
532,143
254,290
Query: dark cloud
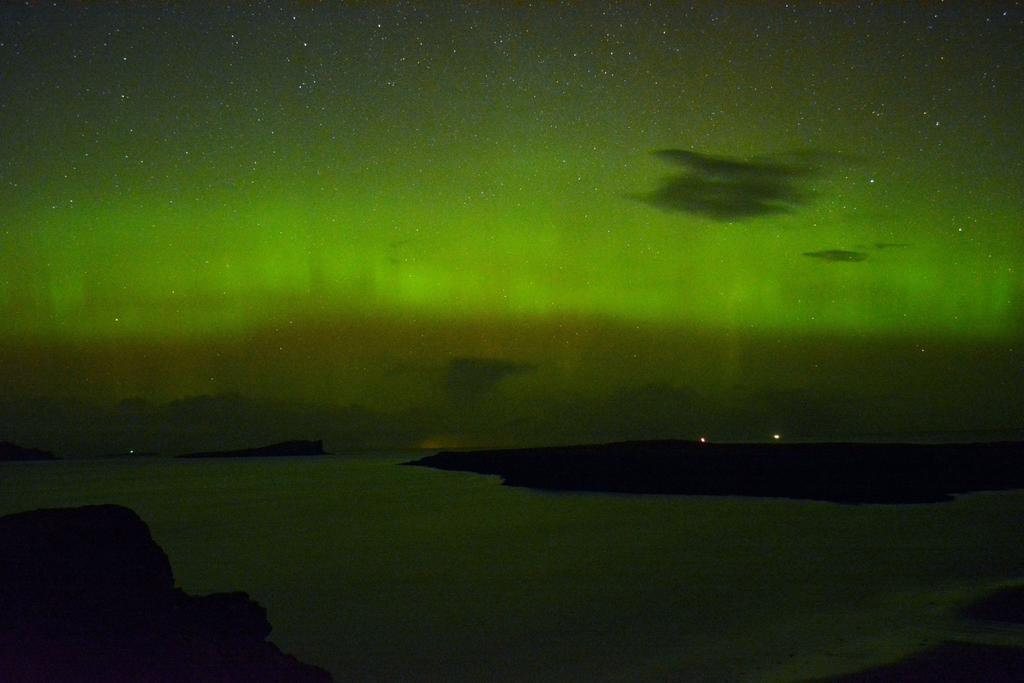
x,y
469,378
727,189
850,256
838,255
724,167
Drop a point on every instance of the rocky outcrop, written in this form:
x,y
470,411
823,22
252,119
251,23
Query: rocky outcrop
x,y
277,450
948,662
958,661
10,451
1005,605
87,595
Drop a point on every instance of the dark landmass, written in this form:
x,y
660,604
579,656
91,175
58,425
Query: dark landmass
x,y
949,662
1005,605
10,452
835,472
277,450
961,662
87,595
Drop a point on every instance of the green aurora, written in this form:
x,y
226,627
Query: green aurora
x,y
331,209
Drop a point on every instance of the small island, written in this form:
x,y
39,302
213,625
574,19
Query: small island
x,y
849,473
10,452
285,449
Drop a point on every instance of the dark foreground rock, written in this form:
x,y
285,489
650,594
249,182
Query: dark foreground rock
x,y
950,662
1005,605
957,661
841,473
277,450
10,452
87,595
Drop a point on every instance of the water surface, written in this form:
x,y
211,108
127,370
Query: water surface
x,y
380,572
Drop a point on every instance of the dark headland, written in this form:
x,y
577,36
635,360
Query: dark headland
x,y
947,662
11,452
957,661
87,595
277,450
834,472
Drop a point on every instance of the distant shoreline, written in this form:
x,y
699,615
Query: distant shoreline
x,y
849,473
10,452
285,449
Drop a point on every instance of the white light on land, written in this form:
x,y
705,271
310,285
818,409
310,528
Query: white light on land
x,y
776,436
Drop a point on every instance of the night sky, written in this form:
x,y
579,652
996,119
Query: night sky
x,y
479,224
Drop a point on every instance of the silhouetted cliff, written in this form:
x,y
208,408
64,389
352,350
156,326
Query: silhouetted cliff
x,y
87,595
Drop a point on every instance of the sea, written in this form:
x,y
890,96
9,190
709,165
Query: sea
x,y
379,572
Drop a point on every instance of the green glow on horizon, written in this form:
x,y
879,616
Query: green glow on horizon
x,y
147,268
338,203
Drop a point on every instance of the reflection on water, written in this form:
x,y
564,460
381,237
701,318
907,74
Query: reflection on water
x,y
378,571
